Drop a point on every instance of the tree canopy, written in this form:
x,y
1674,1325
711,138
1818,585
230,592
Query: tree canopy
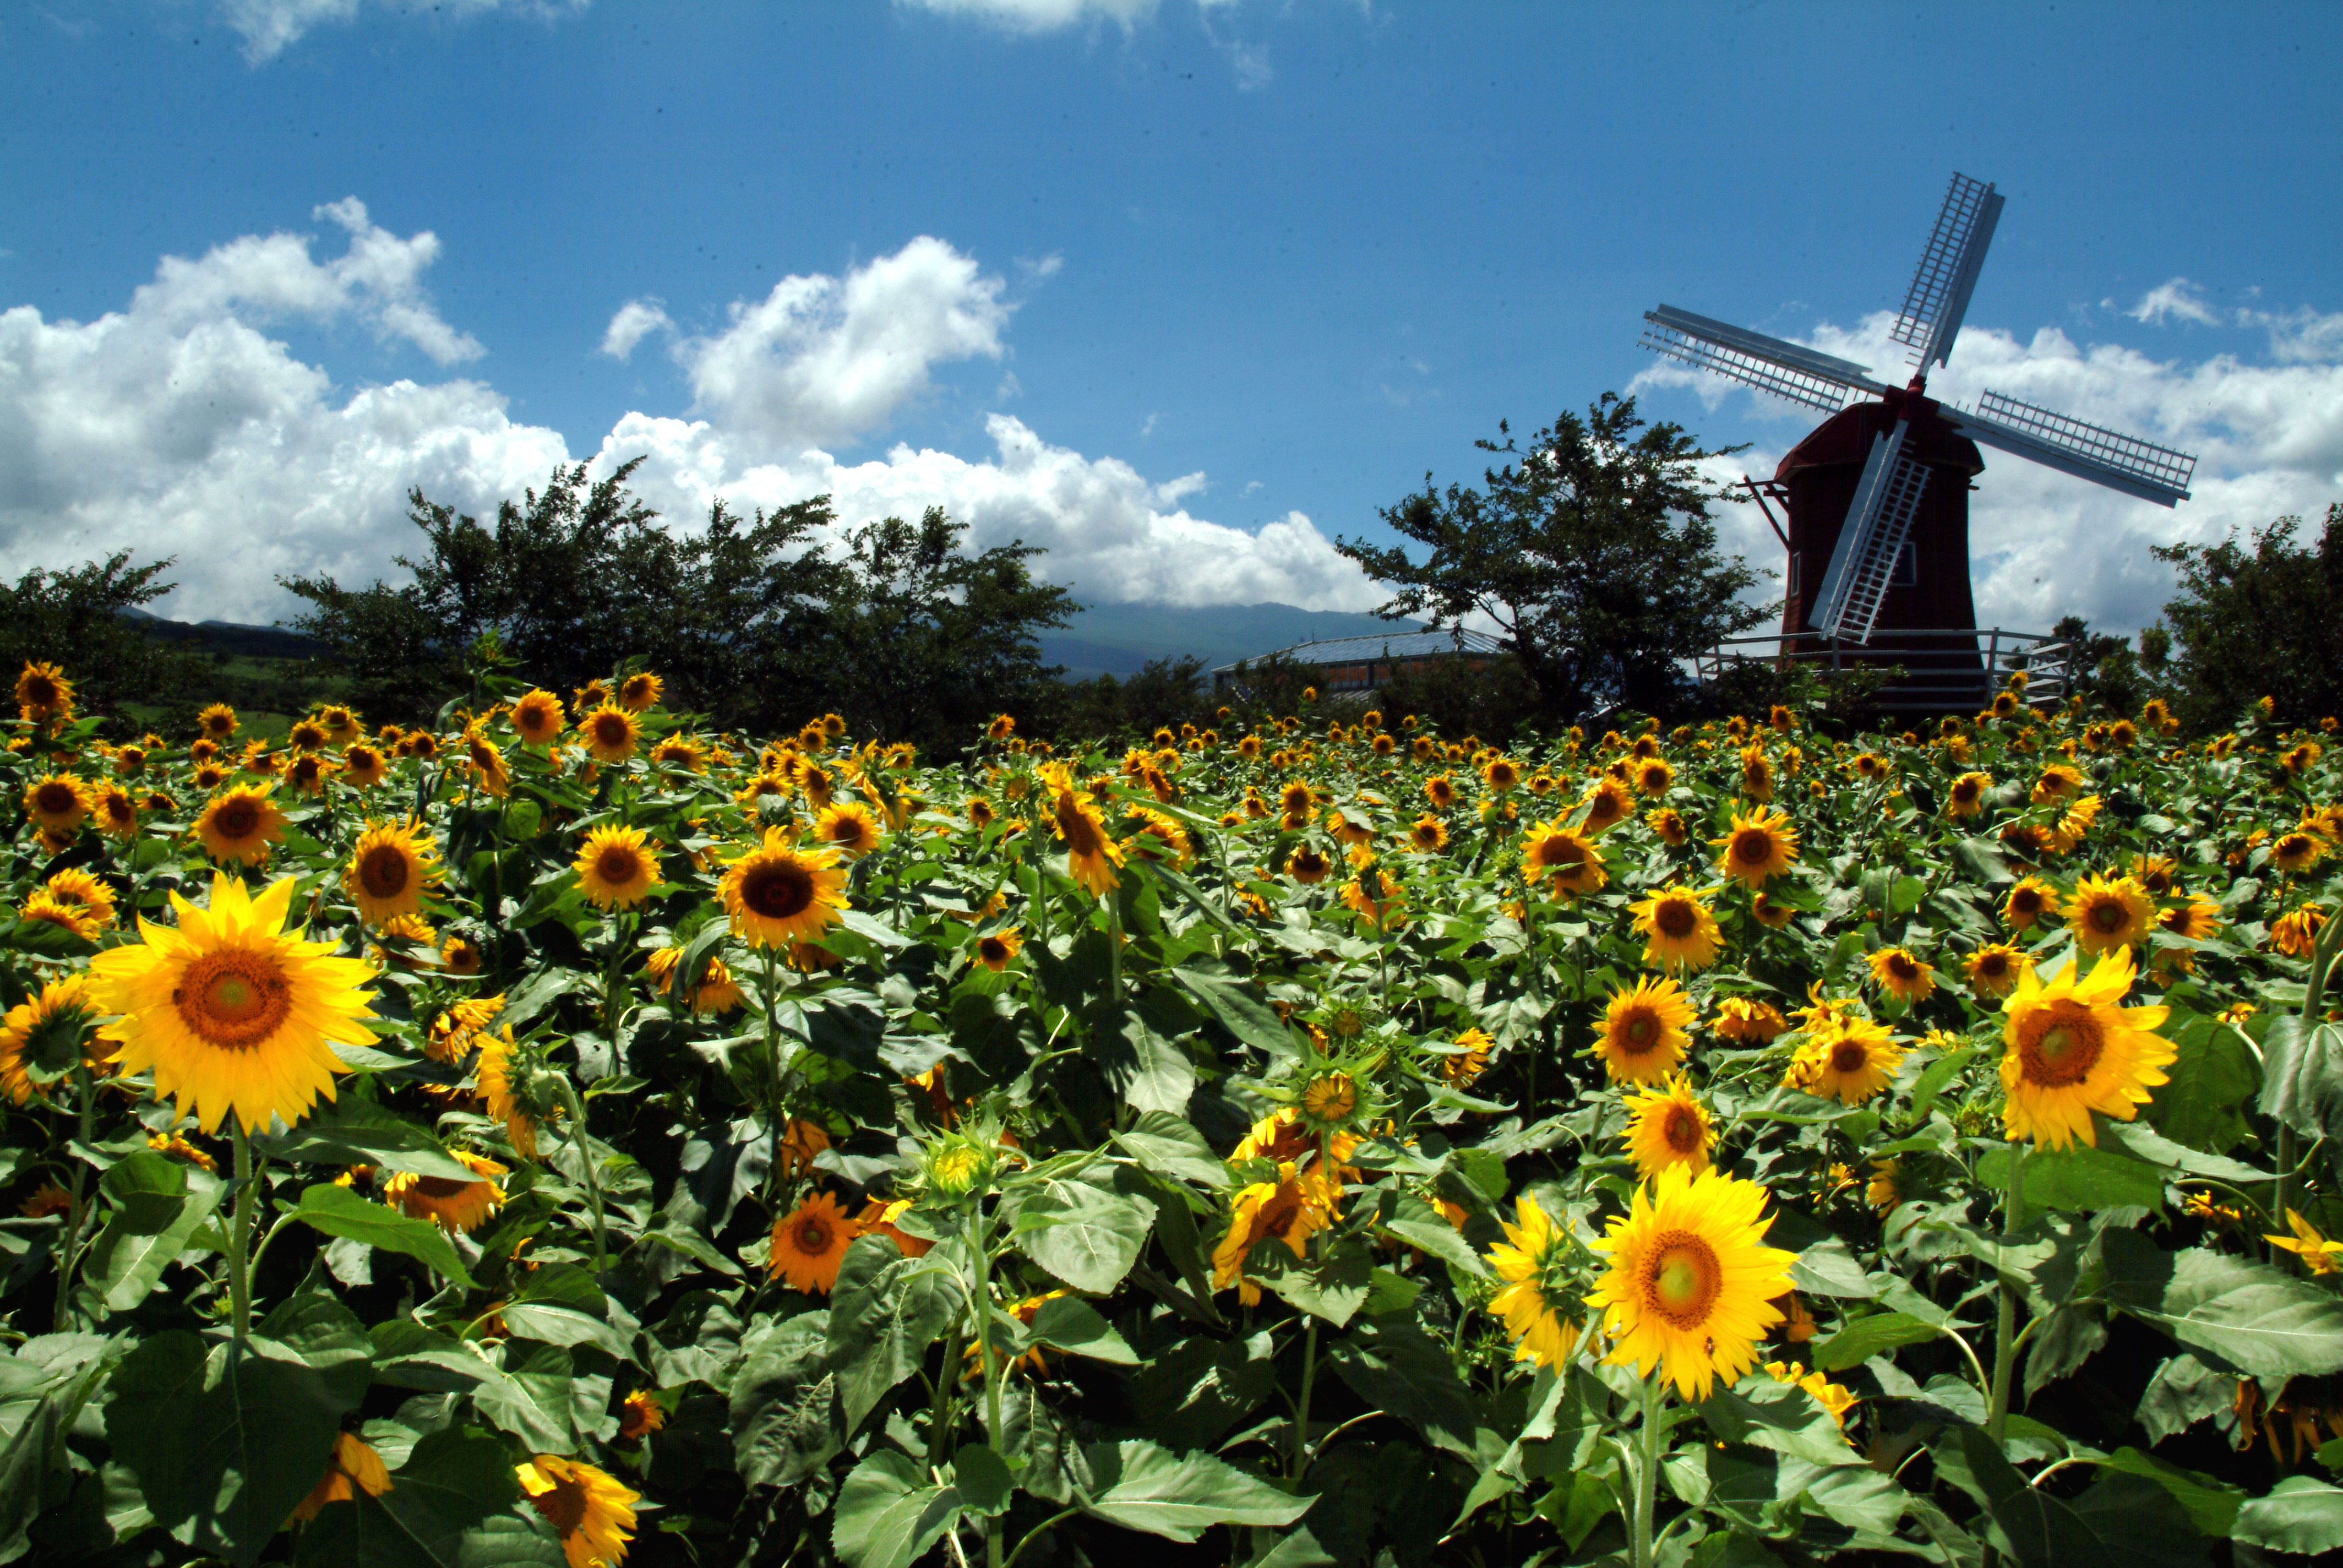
x,y
83,617
2264,619
1591,547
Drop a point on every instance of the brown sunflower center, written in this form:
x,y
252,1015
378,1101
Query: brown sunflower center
x,y
1639,1032
1965,792
847,831
56,799
812,1235
1075,827
565,1506
1675,917
2110,916
618,865
440,1187
1848,1056
234,998
609,730
1284,1210
384,873
2061,1048
1681,1130
237,819
2026,901
1561,851
1753,846
993,950
1904,967
778,891
1682,1279
1992,966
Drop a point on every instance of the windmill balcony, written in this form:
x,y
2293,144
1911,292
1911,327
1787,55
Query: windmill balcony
x,y
1955,671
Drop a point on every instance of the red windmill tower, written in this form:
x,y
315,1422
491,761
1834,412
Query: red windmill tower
x,y
1878,495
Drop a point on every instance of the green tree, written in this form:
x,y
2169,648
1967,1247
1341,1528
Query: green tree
x,y
85,621
2258,620
1593,549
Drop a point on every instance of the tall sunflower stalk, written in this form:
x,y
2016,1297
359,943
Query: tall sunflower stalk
x,y
2314,1001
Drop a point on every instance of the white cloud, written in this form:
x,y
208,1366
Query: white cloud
x,y
2269,440
820,359
1040,16
271,26
2173,299
635,320
178,427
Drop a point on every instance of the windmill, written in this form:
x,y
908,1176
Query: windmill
x,y
1878,494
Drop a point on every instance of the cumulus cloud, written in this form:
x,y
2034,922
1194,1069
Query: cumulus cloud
x,y
822,359
2268,439
2175,299
271,26
635,320
178,426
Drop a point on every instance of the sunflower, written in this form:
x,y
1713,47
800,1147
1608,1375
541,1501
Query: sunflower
x,y
2059,781
778,894
1501,774
1671,827
484,760
44,692
2071,1050
1667,1125
611,733
2319,1254
538,717
389,868
44,910
350,1468
642,1414
456,1206
683,752
210,776
1901,975
461,955
1471,1058
719,991
641,691
1885,1191
2296,851
2109,912
1762,844
232,1010
459,1024
1831,1396
1749,1020
1376,896
2295,932
58,803
1533,1260
1757,775
1291,1210
1994,969
616,867
362,765
308,773
218,721
1643,1037
306,735
1440,790
65,1005
1966,795
1846,1058
1307,865
1160,837
997,950
1678,929
2194,917
1607,804
810,1243
1429,835
1092,855
1691,1284
493,1075
593,1511
240,824
1566,858
80,889
848,827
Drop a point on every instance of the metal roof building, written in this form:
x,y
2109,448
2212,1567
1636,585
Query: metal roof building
x,y
1361,663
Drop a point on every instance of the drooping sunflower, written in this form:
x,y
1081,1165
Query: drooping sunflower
x,y
1607,805
389,868
1471,1058
1565,857
58,803
351,1468
2109,912
63,1007
2195,917
455,1206
1376,896
1901,974
459,1024
2059,781
1533,1260
538,717
1678,929
778,894
611,733
1762,844
1846,1058
616,867
1307,865
2296,851
82,890
1667,1125
1994,969
1291,1210
1966,795
641,691
995,951
1692,1283
484,760
1091,853
682,751
1669,824
810,1242
2320,1254
593,1511
240,825
1749,1021
1643,1037
233,1012
2070,1048
2295,932
499,1095
849,827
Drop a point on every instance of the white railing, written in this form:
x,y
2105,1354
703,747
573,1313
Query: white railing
x,y
1944,671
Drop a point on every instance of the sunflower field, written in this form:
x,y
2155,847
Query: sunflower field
x,y
561,1135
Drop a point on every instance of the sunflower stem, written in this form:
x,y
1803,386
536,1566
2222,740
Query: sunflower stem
x,y
994,1527
1647,1471
2004,1337
239,1261
2314,1001
1299,1464
585,1149
77,1214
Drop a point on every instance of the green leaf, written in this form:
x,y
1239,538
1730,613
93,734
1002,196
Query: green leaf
x,y
2081,1179
784,1405
2212,1504
2302,1513
1086,1236
2027,1523
1228,997
2302,1075
147,1191
1866,1337
2259,1320
1781,1416
885,1311
982,1479
2204,1104
341,1211
1419,1224
355,1131
1073,1324
451,1505
1170,1146
1144,1067
127,1260
1180,1496
888,1513
2141,1524
1828,1269
1334,1288
1397,1368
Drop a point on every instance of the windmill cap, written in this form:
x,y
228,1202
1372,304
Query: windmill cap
x,y
1847,436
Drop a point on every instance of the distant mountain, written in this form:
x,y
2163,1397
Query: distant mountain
x,y
1118,638
229,639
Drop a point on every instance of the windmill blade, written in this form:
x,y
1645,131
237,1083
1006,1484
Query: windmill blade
x,y
1863,563
1939,295
1754,360
2072,445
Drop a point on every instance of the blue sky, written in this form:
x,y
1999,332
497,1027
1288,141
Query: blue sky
x,y
1181,291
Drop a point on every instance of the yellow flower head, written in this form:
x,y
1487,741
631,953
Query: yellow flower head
x,y
1901,975
1846,1058
1667,1125
1762,844
1533,1260
810,1243
616,867
2109,912
2070,1050
1678,929
776,893
389,868
591,1509
1691,1286
1643,1037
